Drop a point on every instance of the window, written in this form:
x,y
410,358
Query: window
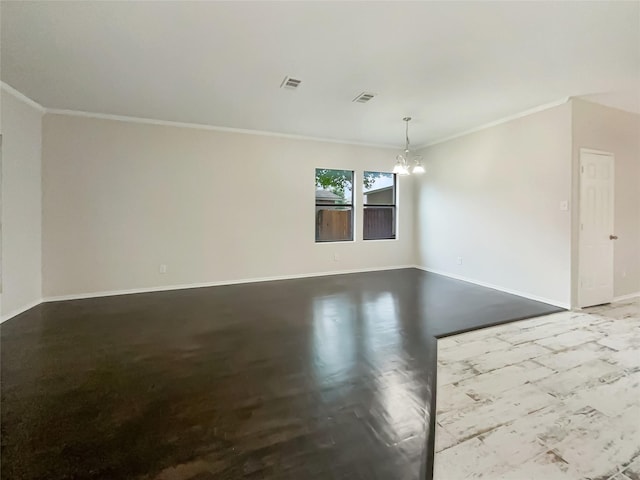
x,y
334,205
379,192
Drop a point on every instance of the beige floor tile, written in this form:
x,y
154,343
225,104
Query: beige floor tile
x,y
562,403
444,439
582,377
454,372
463,351
452,398
598,444
633,469
548,466
612,399
516,354
483,417
568,339
561,361
494,383
531,334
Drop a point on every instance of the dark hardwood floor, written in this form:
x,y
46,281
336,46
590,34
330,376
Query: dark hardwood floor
x,y
321,378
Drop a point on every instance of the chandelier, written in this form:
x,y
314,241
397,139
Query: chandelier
x,y
405,159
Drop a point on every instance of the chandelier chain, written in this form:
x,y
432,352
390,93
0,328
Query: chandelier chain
x,y
402,166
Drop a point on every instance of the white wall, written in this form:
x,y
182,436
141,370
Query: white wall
x,y
493,198
615,131
121,198
21,129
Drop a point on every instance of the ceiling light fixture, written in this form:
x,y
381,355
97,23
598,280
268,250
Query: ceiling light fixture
x,y
404,160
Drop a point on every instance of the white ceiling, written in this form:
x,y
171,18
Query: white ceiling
x,y
452,66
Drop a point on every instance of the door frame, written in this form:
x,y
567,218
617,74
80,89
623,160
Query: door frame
x,y
582,151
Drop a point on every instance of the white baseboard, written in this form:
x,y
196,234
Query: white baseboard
x,y
556,303
629,296
78,296
20,310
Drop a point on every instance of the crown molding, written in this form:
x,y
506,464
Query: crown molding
x,y
515,116
201,126
22,97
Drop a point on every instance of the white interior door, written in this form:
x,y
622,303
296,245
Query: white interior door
x,y
596,229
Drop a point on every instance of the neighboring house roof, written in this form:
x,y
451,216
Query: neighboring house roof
x,y
327,196
378,190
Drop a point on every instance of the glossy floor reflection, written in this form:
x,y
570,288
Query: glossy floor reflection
x,y
320,378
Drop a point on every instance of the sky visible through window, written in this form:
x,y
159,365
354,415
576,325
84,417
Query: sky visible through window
x,y
385,180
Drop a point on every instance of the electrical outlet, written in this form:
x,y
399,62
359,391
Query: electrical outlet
x,y
163,268
336,257
459,260
564,205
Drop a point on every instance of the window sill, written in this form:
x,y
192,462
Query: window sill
x,y
332,242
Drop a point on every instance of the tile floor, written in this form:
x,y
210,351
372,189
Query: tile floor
x,y
555,397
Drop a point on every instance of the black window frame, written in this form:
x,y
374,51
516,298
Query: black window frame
x,y
393,206
351,206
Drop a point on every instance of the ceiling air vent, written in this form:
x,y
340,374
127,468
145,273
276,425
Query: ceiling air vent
x,y
290,83
364,97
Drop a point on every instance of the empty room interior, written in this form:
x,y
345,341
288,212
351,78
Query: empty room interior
x,y
320,240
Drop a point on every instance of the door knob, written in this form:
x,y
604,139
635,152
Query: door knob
x,y
613,237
